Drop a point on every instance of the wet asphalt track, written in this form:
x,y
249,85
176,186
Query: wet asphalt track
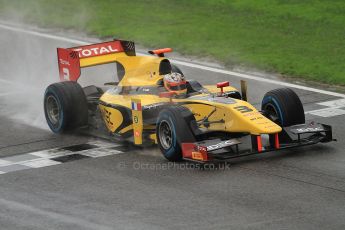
x,y
296,189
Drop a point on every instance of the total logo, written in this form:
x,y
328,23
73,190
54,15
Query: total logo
x,y
95,51
99,49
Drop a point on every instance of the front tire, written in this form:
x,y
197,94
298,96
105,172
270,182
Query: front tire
x,y
283,107
65,106
174,128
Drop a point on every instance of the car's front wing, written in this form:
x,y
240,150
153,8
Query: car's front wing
x,y
291,137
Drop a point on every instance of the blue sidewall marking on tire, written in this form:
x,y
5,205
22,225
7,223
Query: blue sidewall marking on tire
x,y
266,99
61,120
275,104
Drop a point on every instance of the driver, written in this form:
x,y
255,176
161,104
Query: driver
x,y
175,82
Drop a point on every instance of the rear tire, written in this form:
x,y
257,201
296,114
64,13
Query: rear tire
x,y
283,107
65,106
174,128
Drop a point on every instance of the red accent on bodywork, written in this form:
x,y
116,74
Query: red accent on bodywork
x,y
276,141
69,65
98,49
176,83
223,84
259,143
203,151
168,94
160,51
69,59
189,148
139,106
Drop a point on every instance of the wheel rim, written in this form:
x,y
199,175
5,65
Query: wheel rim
x,y
53,110
272,114
165,134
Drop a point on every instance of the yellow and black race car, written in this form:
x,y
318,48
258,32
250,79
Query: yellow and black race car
x,y
153,103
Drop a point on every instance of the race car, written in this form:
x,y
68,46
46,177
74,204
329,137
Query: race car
x,y
153,102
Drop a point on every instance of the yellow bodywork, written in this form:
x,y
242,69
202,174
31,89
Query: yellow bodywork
x,y
252,122
140,70
97,60
214,89
112,117
144,71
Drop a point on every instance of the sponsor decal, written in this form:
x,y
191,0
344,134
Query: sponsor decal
x,y
152,106
249,114
263,123
69,69
256,118
221,100
64,62
107,117
197,156
66,74
222,145
309,129
99,49
136,106
202,149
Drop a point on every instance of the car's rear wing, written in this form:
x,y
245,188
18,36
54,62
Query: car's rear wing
x,y
70,60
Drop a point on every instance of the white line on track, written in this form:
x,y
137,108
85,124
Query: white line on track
x,y
45,35
6,81
327,112
50,157
188,64
256,78
7,94
333,108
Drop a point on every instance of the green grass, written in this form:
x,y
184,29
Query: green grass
x,y
298,38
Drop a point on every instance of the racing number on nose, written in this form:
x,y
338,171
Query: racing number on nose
x,y
243,109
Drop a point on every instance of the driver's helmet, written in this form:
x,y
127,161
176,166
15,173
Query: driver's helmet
x,y
175,82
